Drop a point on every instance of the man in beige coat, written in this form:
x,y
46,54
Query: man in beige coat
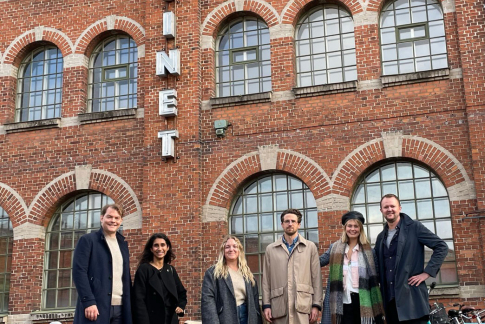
x,y
292,281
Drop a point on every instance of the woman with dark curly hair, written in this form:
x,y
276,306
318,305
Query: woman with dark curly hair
x,y
158,295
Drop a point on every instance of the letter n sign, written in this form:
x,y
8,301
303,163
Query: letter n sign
x,y
168,63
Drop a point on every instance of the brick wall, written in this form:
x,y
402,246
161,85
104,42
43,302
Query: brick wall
x,y
327,137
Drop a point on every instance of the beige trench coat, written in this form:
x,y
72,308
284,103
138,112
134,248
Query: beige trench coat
x,y
292,284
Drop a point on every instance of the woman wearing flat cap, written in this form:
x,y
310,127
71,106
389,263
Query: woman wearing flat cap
x,y
353,294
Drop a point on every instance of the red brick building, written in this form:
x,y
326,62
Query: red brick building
x,y
322,106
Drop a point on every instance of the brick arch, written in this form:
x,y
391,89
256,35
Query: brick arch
x,y
20,45
127,25
260,7
13,204
439,159
295,8
236,174
47,200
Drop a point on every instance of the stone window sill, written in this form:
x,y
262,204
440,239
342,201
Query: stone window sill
x,y
409,78
32,125
444,292
240,100
98,117
316,90
43,316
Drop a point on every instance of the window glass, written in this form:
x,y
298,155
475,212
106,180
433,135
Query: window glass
x,y
243,63
6,245
412,36
423,197
325,47
255,214
113,73
39,87
72,220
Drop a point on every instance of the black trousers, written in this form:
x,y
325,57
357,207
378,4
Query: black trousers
x,y
392,318
115,315
352,311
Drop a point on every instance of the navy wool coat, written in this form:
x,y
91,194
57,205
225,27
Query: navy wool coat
x,y
411,302
218,304
153,289
92,272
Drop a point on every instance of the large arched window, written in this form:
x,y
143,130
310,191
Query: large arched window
x,y
255,214
423,197
113,72
412,37
325,47
6,245
243,62
39,88
76,217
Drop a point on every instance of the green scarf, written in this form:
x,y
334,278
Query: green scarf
x,y
369,292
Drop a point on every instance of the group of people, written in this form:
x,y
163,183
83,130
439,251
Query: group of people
x,y
384,284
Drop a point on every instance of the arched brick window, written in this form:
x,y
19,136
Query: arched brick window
x,y
325,47
243,62
76,217
412,37
113,72
39,88
255,214
6,245
423,197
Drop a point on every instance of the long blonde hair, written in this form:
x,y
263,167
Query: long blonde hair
x,y
363,240
221,270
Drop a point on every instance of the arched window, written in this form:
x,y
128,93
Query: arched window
x,y
325,47
243,62
412,37
76,217
113,72
423,197
39,88
255,214
6,244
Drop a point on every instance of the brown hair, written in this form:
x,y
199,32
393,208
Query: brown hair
x,y
389,196
116,207
291,211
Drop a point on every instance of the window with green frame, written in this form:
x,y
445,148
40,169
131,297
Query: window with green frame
x,y
325,47
113,73
423,197
6,245
39,85
255,214
412,34
243,62
76,217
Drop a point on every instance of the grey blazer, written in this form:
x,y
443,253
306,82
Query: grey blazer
x,y
218,303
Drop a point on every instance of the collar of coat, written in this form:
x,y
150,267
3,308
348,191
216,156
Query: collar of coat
x,y
298,246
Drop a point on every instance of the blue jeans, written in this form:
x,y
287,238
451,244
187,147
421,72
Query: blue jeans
x,y
242,314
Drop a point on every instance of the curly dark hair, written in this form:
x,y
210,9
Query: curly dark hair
x,y
147,254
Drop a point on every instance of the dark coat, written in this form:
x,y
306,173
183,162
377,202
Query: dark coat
x,y
151,291
92,272
411,302
218,304
324,261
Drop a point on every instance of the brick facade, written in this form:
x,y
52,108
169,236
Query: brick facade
x,y
327,136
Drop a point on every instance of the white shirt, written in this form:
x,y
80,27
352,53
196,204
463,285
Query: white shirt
x,y
348,265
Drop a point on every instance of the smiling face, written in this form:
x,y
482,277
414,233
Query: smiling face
x,y
159,249
352,229
391,209
111,221
231,250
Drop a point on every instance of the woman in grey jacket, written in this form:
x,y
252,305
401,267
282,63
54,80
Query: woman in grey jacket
x,y
229,290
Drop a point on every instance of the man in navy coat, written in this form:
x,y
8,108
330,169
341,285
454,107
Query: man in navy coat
x,y
400,250
101,273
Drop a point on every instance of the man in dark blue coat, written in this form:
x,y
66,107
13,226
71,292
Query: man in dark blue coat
x,y
400,251
101,273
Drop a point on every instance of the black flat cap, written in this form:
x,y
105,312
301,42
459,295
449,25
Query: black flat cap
x,y
353,215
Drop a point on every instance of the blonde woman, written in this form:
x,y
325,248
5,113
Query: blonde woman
x,y
353,295
229,290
